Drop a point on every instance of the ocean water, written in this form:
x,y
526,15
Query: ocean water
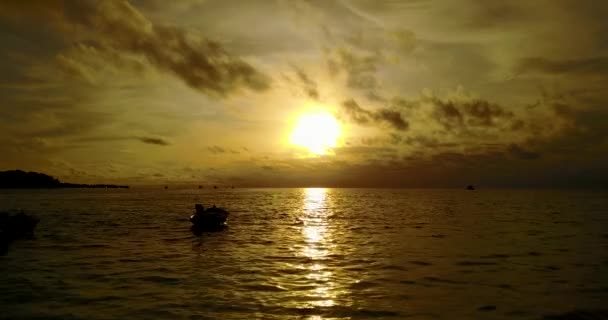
x,y
309,254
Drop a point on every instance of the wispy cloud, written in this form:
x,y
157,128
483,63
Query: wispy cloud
x,y
156,141
363,116
201,63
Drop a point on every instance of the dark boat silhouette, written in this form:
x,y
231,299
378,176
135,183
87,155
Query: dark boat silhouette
x,y
15,226
210,219
470,187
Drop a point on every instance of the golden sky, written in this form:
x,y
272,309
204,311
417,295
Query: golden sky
x,y
397,93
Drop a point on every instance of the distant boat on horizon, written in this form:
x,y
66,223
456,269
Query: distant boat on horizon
x,y
470,187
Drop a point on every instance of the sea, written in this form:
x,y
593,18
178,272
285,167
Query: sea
x,y
309,254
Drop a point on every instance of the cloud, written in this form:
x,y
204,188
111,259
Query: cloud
x,y
360,68
64,58
156,141
483,14
363,116
452,114
457,123
147,140
391,117
423,141
221,150
457,113
522,153
88,63
365,150
476,112
356,113
587,66
216,149
201,63
448,114
60,124
310,87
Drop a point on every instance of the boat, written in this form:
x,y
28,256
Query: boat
x,y
19,225
470,187
210,219
14,227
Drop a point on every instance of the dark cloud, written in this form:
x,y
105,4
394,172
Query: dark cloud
x,y
216,149
391,117
363,116
469,113
447,114
356,113
156,141
201,63
456,114
147,140
310,87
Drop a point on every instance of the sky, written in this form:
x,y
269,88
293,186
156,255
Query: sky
x,y
427,93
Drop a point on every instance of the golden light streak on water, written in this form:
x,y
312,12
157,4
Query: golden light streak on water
x,y
318,245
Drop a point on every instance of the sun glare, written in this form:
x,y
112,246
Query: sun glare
x,y
316,132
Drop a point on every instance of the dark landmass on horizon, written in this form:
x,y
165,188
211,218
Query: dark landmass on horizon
x,y
18,179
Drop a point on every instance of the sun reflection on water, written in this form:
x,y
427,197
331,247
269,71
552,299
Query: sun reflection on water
x,y
318,246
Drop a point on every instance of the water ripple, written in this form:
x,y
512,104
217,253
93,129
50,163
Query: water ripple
x,y
309,254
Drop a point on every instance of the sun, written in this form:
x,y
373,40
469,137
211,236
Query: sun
x,y
318,132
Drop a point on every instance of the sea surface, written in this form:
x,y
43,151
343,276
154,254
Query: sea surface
x,y
309,254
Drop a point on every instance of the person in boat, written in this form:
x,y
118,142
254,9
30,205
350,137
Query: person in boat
x,y
199,208
211,216
208,210
199,212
